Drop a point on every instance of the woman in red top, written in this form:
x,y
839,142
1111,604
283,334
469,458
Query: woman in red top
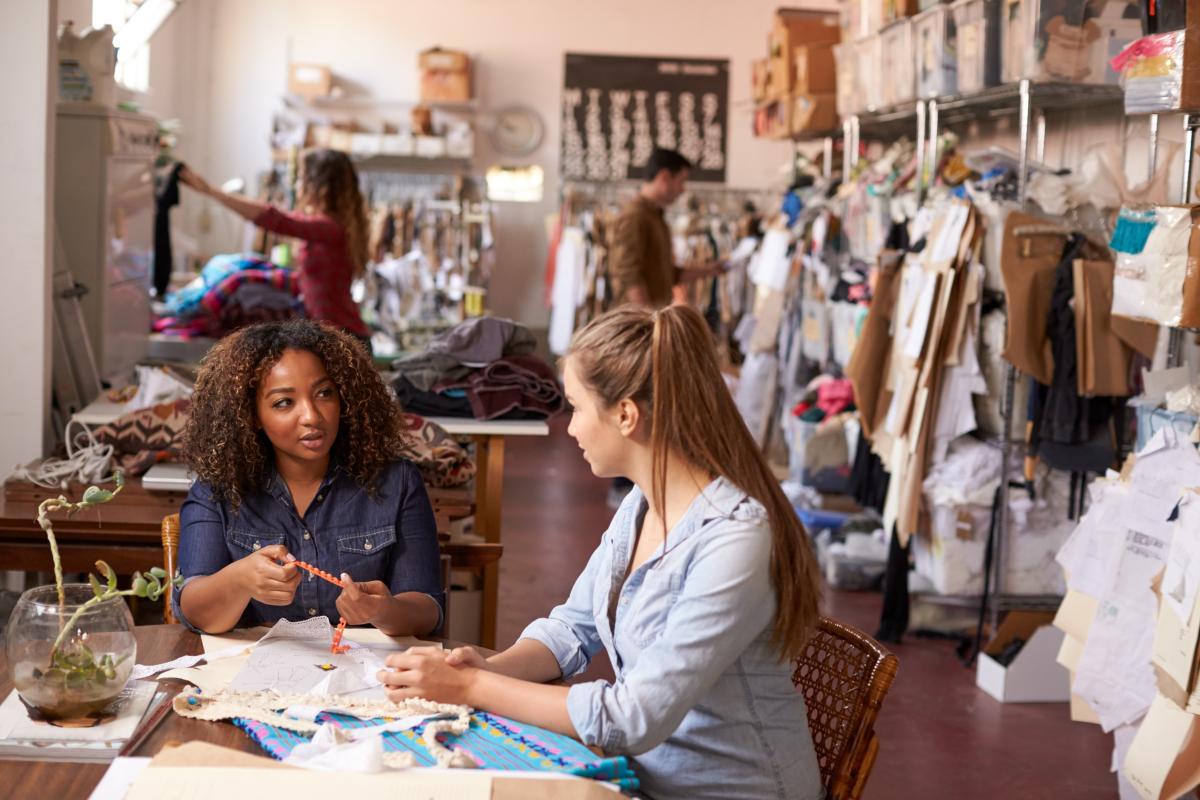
x,y
331,224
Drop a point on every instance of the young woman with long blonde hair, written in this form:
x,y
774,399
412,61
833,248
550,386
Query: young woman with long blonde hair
x,y
702,591
331,223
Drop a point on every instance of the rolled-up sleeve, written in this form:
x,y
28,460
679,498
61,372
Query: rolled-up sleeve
x,y
202,547
726,601
570,630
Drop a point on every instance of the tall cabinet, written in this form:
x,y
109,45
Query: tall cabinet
x,y
104,215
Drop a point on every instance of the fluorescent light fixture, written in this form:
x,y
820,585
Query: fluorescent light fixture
x,y
144,23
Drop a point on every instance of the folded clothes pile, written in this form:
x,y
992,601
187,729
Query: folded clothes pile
x,y
482,368
230,292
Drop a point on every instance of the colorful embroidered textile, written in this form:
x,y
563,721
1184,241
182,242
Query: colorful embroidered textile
x,y
443,462
142,438
494,742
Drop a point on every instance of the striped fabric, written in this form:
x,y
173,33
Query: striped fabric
x,y
215,298
494,742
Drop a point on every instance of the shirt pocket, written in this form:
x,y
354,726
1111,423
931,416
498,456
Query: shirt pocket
x,y
362,554
650,606
243,542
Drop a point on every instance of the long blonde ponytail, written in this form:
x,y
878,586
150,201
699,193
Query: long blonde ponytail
x,y
666,362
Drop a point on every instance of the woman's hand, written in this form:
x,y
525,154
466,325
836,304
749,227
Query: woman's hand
x,y
189,178
424,672
360,603
265,579
467,657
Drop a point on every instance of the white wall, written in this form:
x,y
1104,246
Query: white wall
x,y
27,50
519,47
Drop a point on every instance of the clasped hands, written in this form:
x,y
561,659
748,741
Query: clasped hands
x,y
433,674
271,577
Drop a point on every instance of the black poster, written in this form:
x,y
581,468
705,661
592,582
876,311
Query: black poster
x,y
617,109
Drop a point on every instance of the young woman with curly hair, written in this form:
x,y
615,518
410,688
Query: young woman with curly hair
x,y
298,450
702,591
331,222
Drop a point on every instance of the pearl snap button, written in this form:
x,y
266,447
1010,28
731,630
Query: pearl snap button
x,y
367,545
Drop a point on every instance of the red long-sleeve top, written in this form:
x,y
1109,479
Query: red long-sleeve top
x,y
323,265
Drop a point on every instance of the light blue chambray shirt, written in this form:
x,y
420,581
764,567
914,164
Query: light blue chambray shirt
x,y
701,701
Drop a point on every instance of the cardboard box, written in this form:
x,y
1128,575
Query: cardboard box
x,y
792,29
813,113
816,69
445,76
773,119
1034,675
310,80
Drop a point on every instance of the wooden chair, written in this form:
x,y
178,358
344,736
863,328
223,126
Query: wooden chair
x,y
170,546
844,676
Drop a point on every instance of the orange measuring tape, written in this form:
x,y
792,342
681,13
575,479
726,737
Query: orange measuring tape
x,y
337,646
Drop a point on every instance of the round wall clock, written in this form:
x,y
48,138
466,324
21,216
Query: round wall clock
x,y
518,131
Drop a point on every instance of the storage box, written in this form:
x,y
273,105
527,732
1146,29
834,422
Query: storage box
x,y
773,119
816,69
869,67
310,80
397,144
977,24
793,29
860,18
935,40
848,96
1065,40
1034,674
897,75
813,114
430,147
445,76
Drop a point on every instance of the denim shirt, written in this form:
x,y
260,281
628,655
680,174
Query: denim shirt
x,y
390,537
701,700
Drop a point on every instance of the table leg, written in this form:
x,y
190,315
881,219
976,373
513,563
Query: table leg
x,y
489,491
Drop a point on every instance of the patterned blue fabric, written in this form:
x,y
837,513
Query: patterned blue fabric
x,y
494,742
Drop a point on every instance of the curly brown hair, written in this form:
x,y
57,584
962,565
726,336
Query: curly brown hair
x,y
330,185
223,443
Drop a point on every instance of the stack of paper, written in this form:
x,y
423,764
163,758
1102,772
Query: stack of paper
x,y
1132,655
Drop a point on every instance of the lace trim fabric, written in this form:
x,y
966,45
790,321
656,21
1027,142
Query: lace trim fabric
x,y
267,708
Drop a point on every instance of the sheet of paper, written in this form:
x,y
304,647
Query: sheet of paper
x,y
202,783
1122,741
922,312
118,778
1182,577
1114,673
1164,760
212,677
1087,555
371,637
303,665
1070,650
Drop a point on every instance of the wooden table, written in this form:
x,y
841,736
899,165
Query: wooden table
x,y
157,644
488,438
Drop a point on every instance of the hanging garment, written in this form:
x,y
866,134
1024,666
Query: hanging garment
x,y
1070,432
568,289
1029,257
1105,345
166,197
